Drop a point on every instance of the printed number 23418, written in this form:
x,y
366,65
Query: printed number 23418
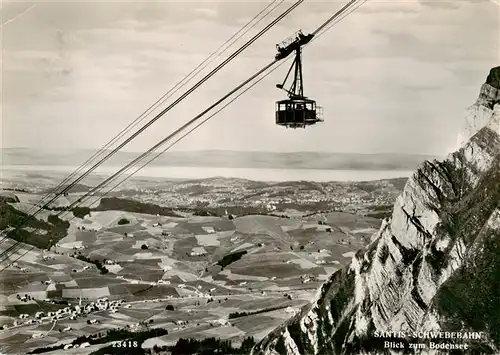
x,y
125,344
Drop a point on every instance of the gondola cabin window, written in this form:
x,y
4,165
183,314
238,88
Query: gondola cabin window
x,y
296,113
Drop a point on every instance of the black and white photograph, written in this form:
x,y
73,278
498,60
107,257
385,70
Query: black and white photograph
x,y
243,177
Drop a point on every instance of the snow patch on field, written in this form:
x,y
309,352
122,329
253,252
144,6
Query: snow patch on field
x,y
235,277
208,229
208,240
199,251
224,332
145,255
151,342
170,225
364,230
71,283
304,264
71,245
242,246
86,292
114,268
225,234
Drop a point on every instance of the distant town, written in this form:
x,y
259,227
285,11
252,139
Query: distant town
x,y
301,197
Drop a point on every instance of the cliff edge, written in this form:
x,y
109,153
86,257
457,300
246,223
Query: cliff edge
x,y
431,275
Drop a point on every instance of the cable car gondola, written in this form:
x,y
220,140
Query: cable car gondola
x,y
297,111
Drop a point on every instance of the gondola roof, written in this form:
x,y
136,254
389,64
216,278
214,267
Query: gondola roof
x,y
296,99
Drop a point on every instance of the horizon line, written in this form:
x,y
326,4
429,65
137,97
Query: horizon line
x,y
233,150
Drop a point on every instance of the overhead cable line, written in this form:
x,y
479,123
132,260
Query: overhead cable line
x,y
332,20
128,166
339,16
188,92
336,20
334,16
170,136
182,97
196,118
240,33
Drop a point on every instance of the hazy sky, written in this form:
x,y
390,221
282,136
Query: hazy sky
x,y
394,76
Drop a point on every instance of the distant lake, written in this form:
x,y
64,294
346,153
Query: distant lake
x,y
243,173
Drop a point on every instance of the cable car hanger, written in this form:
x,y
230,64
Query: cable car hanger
x,y
297,111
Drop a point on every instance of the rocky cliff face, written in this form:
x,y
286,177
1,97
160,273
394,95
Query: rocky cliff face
x,y
434,266
480,113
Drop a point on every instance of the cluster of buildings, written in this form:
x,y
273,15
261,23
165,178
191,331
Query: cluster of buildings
x,y
102,304
22,269
331,195
71,312
81,346
308,278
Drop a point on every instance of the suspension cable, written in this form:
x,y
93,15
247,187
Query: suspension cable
x,y
334,16
220,66
167,95
182,97
334,21
338,19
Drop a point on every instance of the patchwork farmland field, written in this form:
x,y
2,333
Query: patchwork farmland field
x,y
142,263
277,257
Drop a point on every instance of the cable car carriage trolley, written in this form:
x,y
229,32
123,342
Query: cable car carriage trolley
x,y
297,111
